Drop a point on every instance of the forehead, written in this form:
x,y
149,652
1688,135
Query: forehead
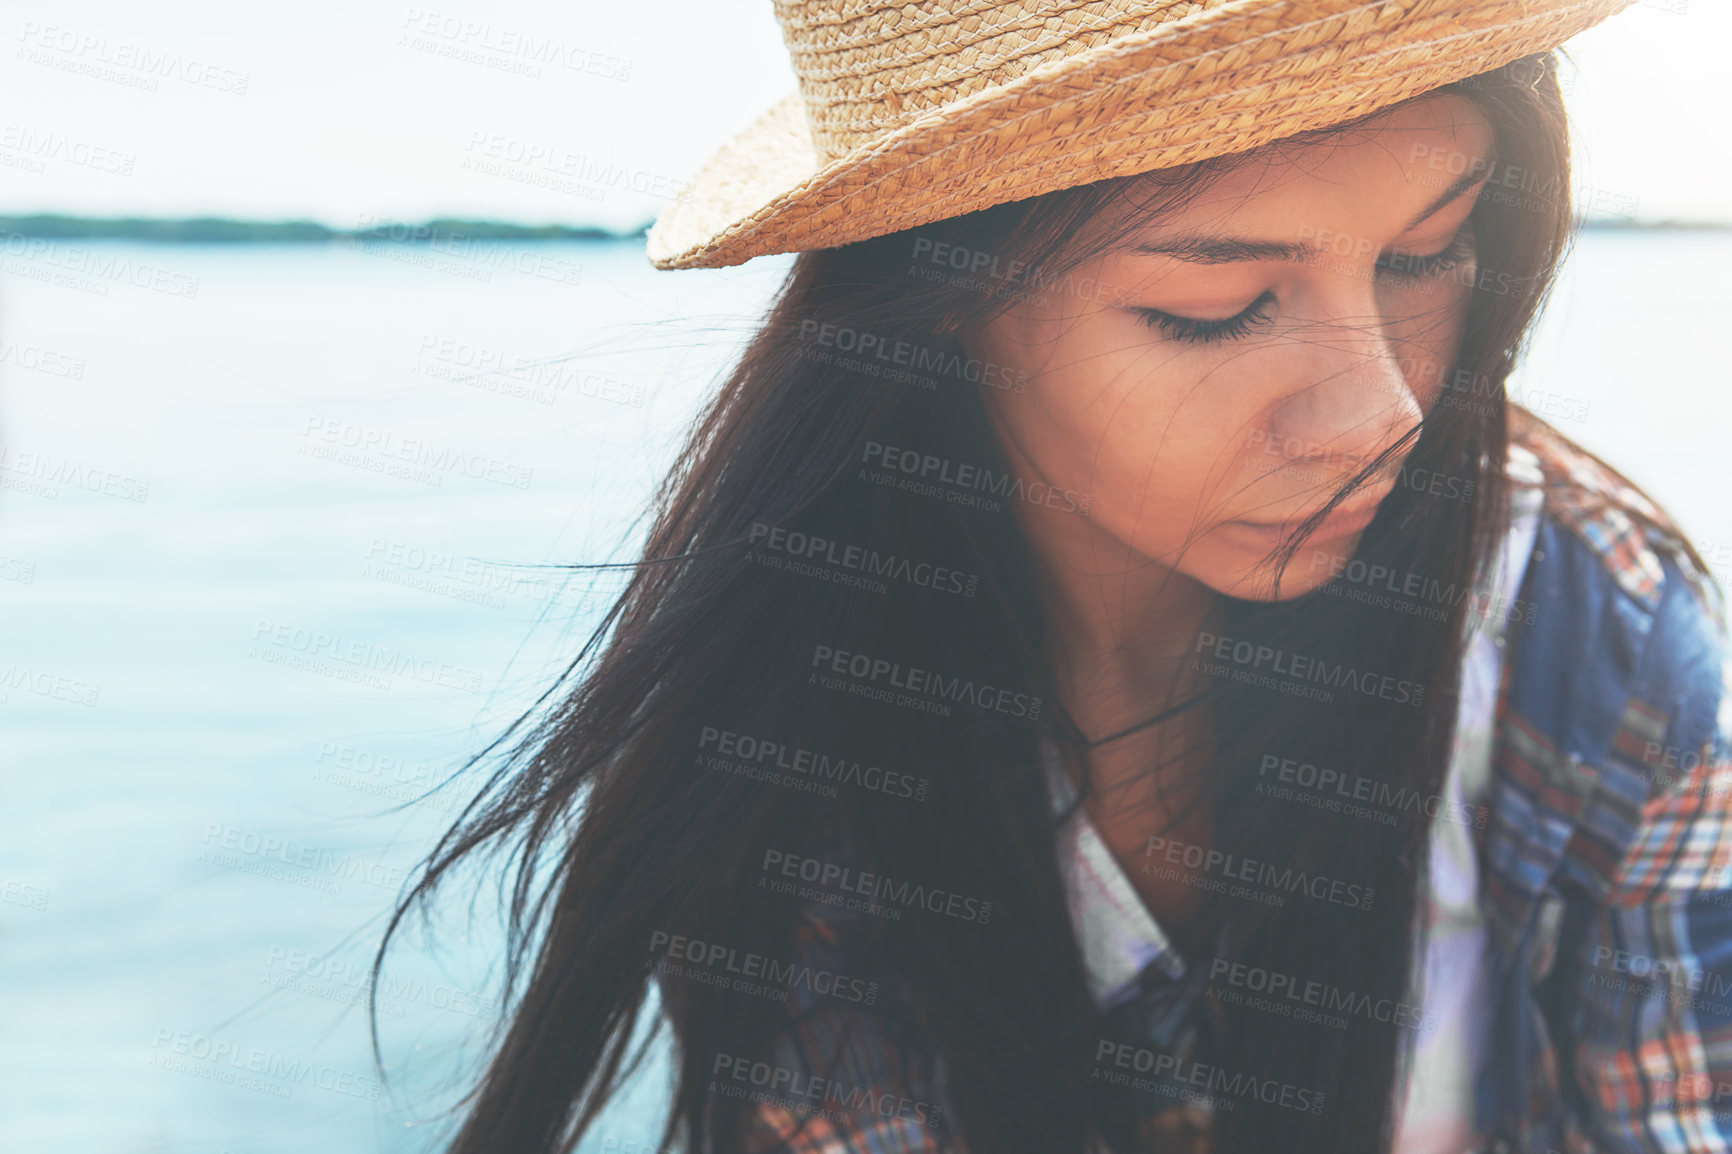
x,y
1386,165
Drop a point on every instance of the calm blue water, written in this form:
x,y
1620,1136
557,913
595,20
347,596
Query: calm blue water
x,y
271,529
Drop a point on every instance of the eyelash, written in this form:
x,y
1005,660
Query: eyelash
x,y
1201,332
1424,267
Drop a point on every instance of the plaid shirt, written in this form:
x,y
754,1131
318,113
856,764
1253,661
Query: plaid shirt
x,y
1605,872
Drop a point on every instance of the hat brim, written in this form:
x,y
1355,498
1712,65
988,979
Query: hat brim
x,y
1221,81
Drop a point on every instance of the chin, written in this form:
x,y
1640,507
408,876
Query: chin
x,y
1250,577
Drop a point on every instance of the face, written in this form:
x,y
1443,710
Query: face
x,y
1237,361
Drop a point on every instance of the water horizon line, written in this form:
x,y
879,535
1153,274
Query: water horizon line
x,y
239,230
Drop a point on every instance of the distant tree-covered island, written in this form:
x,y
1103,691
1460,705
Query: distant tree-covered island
x,y
225,230
1616,223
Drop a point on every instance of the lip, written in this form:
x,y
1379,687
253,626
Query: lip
x,y
1340,523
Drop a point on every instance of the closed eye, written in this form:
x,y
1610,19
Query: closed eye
x,y
1193,330
1417,266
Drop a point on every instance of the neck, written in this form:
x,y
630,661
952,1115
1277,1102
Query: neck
x,y
1123,631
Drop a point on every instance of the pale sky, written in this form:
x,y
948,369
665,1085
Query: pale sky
x,y
367,110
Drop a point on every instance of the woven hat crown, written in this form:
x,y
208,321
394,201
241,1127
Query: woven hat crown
x,y
868,67
911,112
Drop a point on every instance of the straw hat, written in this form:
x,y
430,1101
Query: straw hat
x,y
910,111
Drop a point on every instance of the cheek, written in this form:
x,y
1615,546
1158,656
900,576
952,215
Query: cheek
x,y
1427,335
1159,437
1106,411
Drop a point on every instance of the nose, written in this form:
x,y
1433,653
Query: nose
x,y
1348,399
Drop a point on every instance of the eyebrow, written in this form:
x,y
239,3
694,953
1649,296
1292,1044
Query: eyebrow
x,y
1231,249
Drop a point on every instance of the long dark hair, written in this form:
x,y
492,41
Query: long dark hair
x,y
623,836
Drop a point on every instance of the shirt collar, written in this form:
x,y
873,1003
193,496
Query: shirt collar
x,y
1119,938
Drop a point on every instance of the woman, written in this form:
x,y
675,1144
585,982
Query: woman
x,y
1109,670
